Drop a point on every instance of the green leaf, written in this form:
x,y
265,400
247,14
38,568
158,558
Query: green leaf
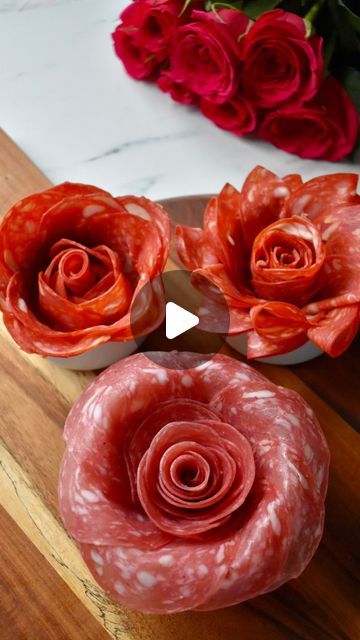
x,y
254,8
329,48
356,153
348,36
353,18
215,6
352,86
313,12
309,27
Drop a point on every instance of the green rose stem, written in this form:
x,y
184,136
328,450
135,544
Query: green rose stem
x,y
312,13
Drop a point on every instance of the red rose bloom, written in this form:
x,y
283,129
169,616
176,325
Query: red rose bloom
x,y
142,39
205,55
326,128
237,115
281,64
178,91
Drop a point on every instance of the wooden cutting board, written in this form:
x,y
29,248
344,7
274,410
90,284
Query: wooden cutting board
x,y
46,590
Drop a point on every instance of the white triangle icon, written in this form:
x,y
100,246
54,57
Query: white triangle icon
x,y
178,320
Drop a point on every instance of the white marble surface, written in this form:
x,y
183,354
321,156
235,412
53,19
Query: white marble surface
x,y
66,100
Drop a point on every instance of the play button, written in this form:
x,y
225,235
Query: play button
x,y
178,320
187,314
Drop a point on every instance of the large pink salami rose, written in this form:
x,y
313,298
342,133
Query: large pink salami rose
x,y
192,488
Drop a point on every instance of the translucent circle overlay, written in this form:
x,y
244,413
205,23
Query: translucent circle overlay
x,y
195,295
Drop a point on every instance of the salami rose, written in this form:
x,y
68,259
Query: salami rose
x,y
192,488
170,477
286,256
72,260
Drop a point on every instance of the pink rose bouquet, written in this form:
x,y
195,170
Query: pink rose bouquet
x,y
278,73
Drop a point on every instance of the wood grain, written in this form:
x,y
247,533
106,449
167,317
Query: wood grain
x,y
38,621
49,592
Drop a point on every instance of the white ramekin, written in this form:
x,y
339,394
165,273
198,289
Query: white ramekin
x,y
308,351
99,357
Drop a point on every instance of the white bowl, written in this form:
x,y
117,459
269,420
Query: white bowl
x,y
99,357
308,351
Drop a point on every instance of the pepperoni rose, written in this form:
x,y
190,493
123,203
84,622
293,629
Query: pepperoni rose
x,y
192,488
286,257
72,260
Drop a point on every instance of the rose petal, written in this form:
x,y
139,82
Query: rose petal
x,y
237,116
281,63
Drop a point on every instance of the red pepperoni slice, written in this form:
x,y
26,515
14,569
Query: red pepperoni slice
x,y
192,488
260,347
229,232
334,316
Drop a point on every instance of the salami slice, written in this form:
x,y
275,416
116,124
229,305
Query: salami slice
x,y
192,488
263,195
73,260
321,193
20,228
287,260
194,247
335,329
33,335
216,316
334,316
280,327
